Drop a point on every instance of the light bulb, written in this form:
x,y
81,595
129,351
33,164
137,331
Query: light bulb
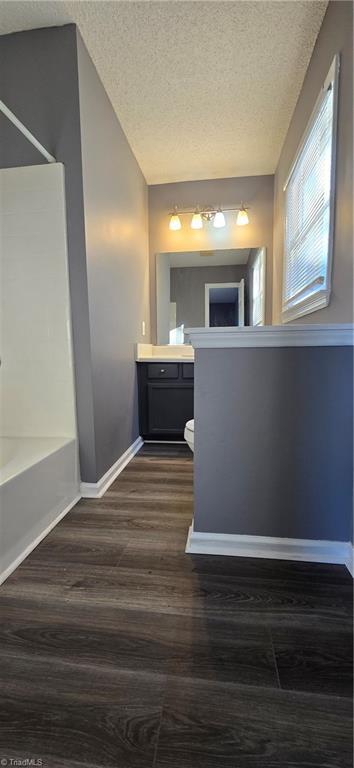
x,y
242,218
197,221
219,219
175,222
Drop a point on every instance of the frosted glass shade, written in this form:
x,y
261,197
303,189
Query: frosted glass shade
x,y
197,221
219,220
242,218
175,222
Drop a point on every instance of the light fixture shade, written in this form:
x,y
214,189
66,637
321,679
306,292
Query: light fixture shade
x,y
175,222
242,218
197,221
219,219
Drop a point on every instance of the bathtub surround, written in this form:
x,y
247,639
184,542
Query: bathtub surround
x,y
335,36
50,487
257,191
273,440
36,382
39,476
56,94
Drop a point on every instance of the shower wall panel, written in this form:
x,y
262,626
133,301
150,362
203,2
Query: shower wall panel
x,y
36,375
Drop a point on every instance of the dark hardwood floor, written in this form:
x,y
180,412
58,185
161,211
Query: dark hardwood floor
x,y
118,650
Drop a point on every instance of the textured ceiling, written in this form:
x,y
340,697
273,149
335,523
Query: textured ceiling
x,y
202,89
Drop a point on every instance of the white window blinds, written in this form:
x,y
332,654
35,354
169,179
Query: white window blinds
x,y
308,202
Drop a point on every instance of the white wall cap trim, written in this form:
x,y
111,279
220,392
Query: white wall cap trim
x,y
299,335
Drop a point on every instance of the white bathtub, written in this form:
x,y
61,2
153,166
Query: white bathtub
x,y
39,483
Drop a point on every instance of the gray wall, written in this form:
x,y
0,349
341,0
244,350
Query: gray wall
x,y
273,442
39,83
188,289
336,36
115,203
255,191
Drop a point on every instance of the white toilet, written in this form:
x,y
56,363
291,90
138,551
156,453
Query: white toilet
x,y
189,434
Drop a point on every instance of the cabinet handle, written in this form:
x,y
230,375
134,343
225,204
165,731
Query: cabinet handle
x,y
162,370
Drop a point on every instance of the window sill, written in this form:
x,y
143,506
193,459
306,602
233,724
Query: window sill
x,y
307,306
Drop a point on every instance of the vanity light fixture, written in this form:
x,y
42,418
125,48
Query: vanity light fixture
x,y
175,221
215,216
242,216
197,221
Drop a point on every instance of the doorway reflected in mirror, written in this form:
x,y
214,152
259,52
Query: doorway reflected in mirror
x,y
224,305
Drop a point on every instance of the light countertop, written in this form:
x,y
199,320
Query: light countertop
x,y
165,353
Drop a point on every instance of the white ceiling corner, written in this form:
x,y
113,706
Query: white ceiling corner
x,y
202,89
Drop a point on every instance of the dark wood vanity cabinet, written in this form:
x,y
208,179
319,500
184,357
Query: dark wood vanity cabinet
x,y
165,399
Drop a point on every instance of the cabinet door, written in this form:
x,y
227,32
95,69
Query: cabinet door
x,y
169,407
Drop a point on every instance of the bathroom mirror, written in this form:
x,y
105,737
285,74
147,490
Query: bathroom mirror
x,y
198,289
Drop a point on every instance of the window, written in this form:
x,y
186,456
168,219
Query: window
x,y
258,289
309,203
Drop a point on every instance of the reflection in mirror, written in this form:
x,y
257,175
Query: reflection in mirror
x,y
224,304
197,289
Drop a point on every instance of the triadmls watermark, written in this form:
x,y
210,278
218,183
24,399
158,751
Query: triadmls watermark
x,y
24,762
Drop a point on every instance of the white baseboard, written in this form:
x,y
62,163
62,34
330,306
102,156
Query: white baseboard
x,y
27,551
165,442
336,552
96,490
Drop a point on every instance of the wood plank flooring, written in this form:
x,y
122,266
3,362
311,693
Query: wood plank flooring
x,y
117,650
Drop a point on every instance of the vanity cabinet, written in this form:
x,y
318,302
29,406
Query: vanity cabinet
x,y
165,399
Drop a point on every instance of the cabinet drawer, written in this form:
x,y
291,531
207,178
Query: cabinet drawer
x,y
188,370
162,371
